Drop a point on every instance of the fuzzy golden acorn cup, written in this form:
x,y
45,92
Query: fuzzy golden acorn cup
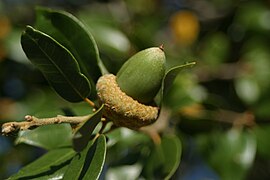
x,y
126,96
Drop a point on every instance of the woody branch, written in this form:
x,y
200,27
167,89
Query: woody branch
x,y
32,122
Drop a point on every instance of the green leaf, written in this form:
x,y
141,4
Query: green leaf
x,y
70,32
84,133
88,164
130,172
56,63
44,136
170,76
216,48
262,133
247,89
48,164
172,149
164,159
233,153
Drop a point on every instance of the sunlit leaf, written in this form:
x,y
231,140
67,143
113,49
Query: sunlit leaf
x,y
46,165
88,164
56,63
247,89
233,153
252,16
44,136
110,38
84,133
130,172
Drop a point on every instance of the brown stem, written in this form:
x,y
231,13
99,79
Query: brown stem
x,y
91,103
32,122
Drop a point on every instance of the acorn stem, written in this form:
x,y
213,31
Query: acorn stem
x,y
91,103
161,47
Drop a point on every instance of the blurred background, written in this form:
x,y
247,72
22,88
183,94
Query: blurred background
x,y
220,109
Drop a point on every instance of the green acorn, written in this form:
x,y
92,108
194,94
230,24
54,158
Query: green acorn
x,y
141,75
127,95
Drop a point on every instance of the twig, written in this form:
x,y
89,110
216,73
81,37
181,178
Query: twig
x,y
32,122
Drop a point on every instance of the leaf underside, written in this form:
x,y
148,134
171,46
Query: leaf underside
x,y
169,78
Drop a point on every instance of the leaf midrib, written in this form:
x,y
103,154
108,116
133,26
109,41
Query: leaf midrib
x,y
59,160
57,67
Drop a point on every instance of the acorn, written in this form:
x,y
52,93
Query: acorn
x,y
140,77
126,96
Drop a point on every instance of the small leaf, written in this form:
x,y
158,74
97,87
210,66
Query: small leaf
x,y
88,164
164,159
71,33
84,133
170,76
56,63
46,165
44,136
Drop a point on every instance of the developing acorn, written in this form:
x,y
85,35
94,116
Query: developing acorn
x,y
126,96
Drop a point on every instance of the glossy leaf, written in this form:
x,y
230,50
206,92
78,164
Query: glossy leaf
x,y
130,172
164,159
44,136
70,32
84,133
58,174
88,164
46,165
56,63
111,39
170,76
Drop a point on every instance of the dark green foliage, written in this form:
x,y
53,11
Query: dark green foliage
x,y
214,118
48,165
88,164
62,54
70,32
56,63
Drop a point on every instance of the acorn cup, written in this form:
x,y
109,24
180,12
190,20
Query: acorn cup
x,y
128,95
